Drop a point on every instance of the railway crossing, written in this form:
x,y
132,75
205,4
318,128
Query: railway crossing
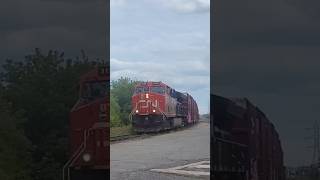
x,y
198,169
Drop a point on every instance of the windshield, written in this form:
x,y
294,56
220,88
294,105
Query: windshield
x,y
157,89
95,90
141,90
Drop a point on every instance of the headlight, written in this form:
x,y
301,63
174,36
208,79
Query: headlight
x,y
147,96
86,157
154,110
137,111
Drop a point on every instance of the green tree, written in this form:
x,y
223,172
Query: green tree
x,y
115,120
15,148
45,87
123,89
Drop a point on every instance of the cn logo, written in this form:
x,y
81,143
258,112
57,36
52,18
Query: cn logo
x,y
146,103
155,104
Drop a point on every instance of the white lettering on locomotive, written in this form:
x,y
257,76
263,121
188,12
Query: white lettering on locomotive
x,y
103,107
145,103
103,112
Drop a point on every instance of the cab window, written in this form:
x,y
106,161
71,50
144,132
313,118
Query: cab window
x,y
157,89
140,89
94,90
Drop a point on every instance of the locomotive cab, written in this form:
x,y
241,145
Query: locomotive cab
x,y
91,91
89,129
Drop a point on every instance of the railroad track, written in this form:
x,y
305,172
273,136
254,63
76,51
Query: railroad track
x,y
124,137
145,135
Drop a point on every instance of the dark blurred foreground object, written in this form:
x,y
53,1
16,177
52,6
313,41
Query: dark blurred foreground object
x,y
245,145
38,92
156,107
89,129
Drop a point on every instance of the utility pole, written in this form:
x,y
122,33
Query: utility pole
x,y
316,150
315,163
316,145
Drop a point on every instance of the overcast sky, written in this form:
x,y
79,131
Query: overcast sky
x,y
64,25
163,40
269,52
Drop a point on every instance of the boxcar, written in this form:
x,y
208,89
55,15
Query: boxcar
x,y
243,133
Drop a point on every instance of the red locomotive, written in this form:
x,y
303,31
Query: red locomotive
x,y
245,143
156,107
89,129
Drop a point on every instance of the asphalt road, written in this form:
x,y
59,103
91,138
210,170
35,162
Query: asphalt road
x,y
136,159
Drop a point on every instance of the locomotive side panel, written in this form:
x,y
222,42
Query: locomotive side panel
x,y
170,106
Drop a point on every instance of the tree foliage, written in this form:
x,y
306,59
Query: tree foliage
x,y
43,88
15,148
122,89
115,120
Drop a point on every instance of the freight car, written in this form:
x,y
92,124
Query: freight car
x,y
246,145
89,129
156,107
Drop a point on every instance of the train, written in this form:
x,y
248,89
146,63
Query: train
x,y
156,106
89,129
244,143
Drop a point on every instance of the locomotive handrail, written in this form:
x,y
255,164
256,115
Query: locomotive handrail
x,y
230,142
70,161
86,134
76,154
130,115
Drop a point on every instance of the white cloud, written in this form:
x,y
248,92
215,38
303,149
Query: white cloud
x,y
176,73
188,6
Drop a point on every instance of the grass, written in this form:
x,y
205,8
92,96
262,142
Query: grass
x,y
121,131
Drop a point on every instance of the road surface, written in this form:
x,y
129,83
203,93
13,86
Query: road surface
x,y
181,155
